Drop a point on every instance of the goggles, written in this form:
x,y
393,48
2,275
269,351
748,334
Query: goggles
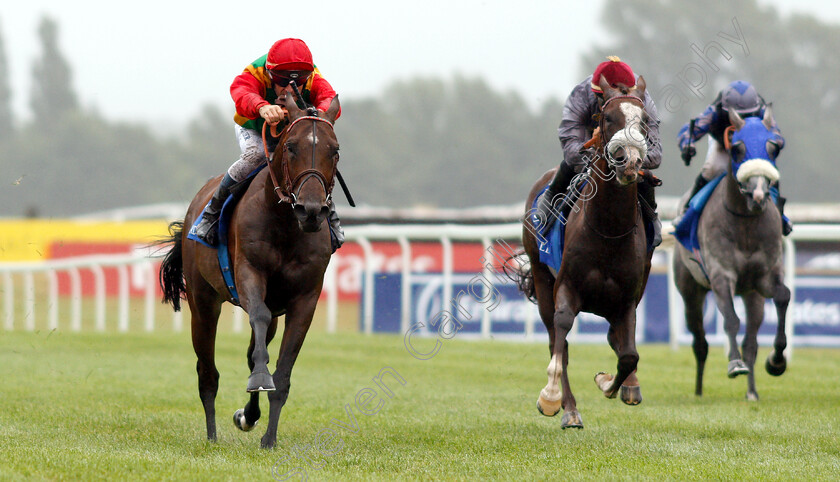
x,y
283,77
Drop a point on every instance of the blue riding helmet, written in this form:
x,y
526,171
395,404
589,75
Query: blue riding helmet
x,y
742,97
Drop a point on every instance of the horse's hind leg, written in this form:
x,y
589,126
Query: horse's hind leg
x,y
544,286
724,291
553,398
205,318
298,319
754,304
246,418
776,363
693,295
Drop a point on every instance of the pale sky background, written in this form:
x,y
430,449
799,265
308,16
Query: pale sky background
x,y
161,61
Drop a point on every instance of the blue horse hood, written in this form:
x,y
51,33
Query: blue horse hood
x,y
757,140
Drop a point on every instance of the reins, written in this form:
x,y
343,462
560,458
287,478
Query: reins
x,y
727,137
287,193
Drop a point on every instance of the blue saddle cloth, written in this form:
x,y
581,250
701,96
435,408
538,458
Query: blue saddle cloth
x,y
552,240
686,231
222,252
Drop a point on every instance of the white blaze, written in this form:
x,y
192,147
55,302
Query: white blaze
x,y
631,137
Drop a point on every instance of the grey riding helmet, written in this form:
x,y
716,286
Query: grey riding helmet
x,y
742,97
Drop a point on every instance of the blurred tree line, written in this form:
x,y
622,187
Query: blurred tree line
x,y
443,142
793,62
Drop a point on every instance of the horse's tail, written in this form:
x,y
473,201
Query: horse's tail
x,y
172,267
517,267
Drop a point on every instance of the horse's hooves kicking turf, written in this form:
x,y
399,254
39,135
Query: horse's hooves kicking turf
x,y
775,369
260,382
631,395
571,420
241,422
737,367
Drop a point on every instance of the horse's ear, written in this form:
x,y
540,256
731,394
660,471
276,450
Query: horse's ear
x,y
606,88
332,112
768,117
640,87
291,105
736,120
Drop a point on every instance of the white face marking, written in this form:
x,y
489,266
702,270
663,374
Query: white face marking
x,y
631,137
312,138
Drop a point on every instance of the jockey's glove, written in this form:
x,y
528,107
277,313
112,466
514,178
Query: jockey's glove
x,y
687,153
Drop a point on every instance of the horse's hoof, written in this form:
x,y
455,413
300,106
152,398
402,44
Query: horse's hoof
x,y
267,442
604,381
260,382
737,367
631,395
752,397
241,422
571,420
549,408
774,369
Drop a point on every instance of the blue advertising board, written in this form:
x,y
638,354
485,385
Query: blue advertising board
x,y
815,311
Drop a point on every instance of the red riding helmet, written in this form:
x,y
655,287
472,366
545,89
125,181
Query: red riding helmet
x,y
615,71
289,54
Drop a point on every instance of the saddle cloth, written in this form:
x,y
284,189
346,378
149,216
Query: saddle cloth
x,y
551,240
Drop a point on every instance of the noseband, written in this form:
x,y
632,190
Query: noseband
x,y
288,193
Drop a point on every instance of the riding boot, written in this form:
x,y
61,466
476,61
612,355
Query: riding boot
x,y
699,183
207,228
336,233
548,208
787,226
647,195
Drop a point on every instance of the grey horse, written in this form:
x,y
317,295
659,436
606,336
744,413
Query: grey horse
x,y
740,253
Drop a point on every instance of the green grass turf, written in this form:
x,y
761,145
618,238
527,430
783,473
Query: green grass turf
x,y
77,406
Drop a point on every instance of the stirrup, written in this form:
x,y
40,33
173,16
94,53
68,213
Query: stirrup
x,y
207,231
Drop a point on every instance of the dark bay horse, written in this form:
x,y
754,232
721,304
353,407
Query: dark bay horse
x,y
741,250
605,262
279,251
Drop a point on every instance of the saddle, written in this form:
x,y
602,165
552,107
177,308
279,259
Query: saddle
x,y
222,252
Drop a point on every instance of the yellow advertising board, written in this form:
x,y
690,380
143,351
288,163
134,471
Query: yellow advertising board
x,y
34,239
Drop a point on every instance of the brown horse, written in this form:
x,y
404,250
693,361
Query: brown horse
x,y
278,252
605,262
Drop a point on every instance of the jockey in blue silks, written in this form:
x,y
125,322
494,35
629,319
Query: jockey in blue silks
x,y
745,100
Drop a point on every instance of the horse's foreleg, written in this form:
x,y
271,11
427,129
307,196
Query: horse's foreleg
x,y
622,339
776,363
754,304
556,396
260,318
246,418
298,319
724,290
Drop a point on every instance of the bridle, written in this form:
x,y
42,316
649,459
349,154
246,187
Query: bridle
x,y
601,143
288,193
602,125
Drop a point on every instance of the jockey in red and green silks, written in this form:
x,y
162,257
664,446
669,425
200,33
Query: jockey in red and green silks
x,y
255,93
